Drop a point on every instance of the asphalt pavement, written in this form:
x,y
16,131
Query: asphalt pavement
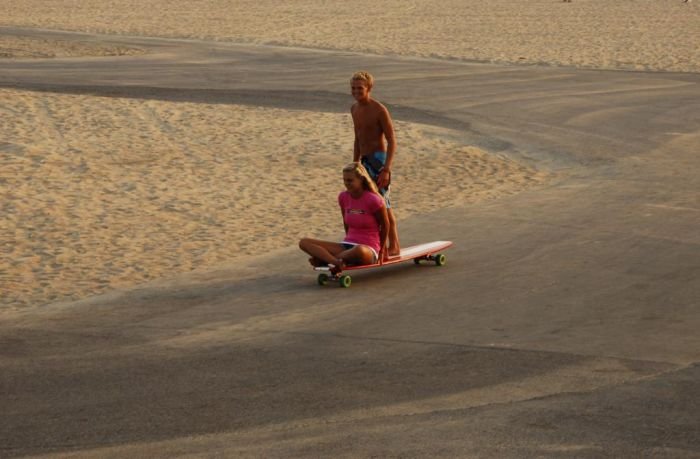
x,y
564,324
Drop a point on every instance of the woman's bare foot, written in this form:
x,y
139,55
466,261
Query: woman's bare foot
x,y
315,262
339,266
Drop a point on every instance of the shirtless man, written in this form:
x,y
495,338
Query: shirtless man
x,y
372,126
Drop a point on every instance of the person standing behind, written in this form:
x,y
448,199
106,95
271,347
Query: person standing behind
x,y
373,125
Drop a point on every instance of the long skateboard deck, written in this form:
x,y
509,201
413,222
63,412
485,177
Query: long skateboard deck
x,y
428,251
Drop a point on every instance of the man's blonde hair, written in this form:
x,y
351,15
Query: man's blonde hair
x,y
360,171
363,76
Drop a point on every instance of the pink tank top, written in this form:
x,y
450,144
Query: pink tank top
x,y
358,215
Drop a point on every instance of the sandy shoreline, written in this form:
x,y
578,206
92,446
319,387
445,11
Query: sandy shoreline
x,y
629,34
105,193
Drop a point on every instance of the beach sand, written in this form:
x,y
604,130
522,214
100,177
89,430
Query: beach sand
x,y
625,34
105,193
30,47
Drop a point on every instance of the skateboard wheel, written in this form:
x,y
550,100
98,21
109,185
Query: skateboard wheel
x,y
416,261
440,259
345,281
322,279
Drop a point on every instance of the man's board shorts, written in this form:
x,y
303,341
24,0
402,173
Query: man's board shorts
x,y
349,245
374,163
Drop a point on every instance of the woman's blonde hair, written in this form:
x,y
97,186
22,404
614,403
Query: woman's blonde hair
x,y
360,171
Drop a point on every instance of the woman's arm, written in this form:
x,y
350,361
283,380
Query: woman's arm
x,y
345,225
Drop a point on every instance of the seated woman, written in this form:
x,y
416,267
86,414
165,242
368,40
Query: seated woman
x,y
366,222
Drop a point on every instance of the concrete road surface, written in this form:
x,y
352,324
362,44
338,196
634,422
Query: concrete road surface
x,y
565,323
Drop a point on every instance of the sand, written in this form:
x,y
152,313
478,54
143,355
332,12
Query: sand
x,y
106,193
625,34
30,47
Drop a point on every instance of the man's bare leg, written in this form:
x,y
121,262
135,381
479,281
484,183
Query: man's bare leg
x,y
394,246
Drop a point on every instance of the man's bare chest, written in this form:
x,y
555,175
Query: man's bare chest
x,y
366,121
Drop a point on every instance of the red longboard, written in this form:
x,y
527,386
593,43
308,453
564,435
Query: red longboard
x,y
428,251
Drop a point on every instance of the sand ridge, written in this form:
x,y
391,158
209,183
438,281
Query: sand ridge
x,y
34,47
101,193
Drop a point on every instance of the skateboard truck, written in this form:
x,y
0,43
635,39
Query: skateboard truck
x,y
343,279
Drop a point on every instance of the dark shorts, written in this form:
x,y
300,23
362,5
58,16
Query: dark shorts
x,y
350,245
374,163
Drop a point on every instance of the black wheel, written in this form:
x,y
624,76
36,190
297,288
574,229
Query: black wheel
x,y
416,261
345,281
322,279
440,259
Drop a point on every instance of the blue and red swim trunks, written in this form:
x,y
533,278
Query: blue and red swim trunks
x,y
374,163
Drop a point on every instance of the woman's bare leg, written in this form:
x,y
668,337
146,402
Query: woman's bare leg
x,y
325,251
358,255
333,253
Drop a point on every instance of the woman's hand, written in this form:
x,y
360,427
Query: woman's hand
x,y
383,255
